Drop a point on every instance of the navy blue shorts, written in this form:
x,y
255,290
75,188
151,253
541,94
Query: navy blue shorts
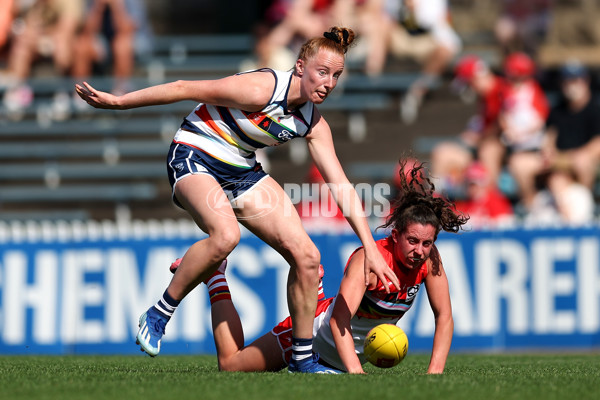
x,y
186,160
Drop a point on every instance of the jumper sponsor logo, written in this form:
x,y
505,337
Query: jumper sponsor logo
x,y
285,135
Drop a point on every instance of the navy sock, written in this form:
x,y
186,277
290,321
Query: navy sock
x,y
301,349
166,306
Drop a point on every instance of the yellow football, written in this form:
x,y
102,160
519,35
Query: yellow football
x,y
385,345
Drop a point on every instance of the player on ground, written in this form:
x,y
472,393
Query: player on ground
x,y
342,323
217,180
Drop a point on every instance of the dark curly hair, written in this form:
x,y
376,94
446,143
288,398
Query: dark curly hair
x,y
416,203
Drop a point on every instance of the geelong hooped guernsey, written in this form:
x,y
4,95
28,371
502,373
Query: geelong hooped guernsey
x,y
232,135
376,307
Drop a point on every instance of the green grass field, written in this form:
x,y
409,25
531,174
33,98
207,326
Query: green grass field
x,y
523,376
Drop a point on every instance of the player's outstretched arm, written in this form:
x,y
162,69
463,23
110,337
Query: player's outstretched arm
x,y
351,291
320,145
248,92
438,293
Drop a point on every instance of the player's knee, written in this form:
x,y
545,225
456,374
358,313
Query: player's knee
x,y
232,363
225,241
313,257
301,250
308,262
308,256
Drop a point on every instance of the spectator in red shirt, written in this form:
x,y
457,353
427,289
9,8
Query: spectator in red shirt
x,y
451,159
485,204
521,120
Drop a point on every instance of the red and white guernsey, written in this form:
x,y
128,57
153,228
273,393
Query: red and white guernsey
x,y
232,135
376,307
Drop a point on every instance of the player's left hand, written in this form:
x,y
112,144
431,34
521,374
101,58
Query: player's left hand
x,y
375,263
97,98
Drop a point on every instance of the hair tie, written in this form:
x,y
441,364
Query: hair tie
x,y
332,36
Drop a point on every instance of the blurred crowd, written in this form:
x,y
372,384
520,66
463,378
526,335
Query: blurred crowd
x,y
414,29
80,37
524,154
548,152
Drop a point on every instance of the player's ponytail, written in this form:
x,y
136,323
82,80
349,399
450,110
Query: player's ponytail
x,y
338,39
342,36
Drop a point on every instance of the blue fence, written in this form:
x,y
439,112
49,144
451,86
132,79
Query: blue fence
x,y
511,290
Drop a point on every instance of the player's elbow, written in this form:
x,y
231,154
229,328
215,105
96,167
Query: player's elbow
x,y
229,364
179,88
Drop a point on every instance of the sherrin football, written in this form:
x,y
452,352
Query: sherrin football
x,y
385,346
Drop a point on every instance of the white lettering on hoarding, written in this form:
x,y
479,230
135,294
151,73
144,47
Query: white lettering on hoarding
x,y
493,287
77,295
129,294
460,288
126,299
46,271
588,285
40,296
547,284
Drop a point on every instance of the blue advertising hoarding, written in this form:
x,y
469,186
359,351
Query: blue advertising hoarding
x,y
510,289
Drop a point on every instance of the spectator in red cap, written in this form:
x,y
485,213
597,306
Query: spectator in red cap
x,y
451,159
522,119
485,204
519,66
